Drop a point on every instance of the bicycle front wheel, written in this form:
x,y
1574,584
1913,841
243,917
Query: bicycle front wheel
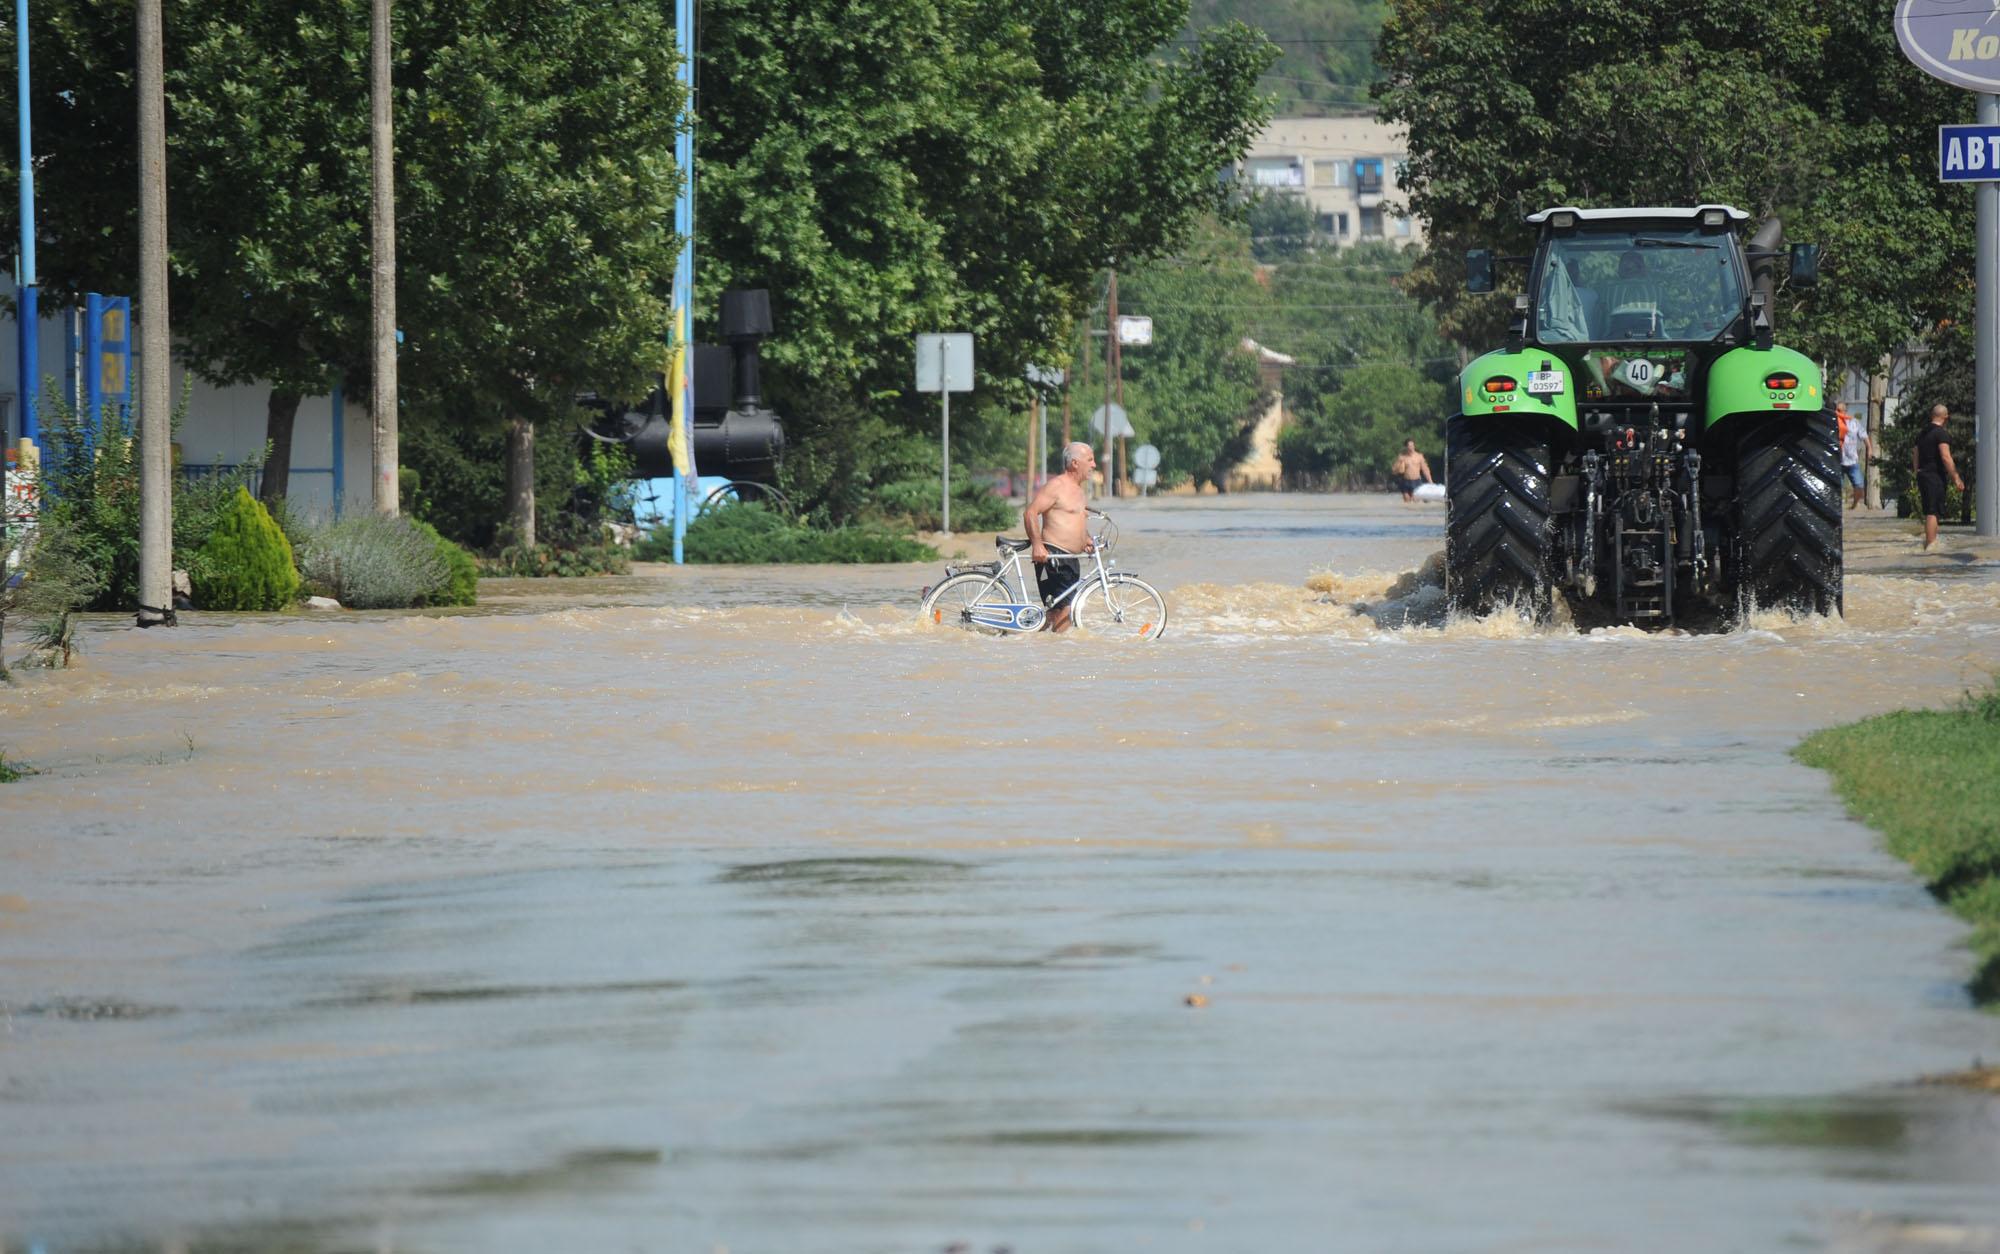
x,y
1126,606
951,602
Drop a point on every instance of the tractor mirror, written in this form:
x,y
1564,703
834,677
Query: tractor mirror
x,y
1805,265
1479,270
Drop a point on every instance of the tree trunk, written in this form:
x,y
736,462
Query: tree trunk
x,y
156,502
382,258
521,481
281,410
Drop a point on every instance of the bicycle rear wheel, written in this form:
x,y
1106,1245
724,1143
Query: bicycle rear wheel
x,y
948,603
1128,607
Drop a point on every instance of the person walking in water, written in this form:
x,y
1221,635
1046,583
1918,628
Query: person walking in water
x,y
1058,528
1931,459
1410,469
1855,450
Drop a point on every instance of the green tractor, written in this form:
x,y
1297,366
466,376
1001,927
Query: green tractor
x,y
1639,445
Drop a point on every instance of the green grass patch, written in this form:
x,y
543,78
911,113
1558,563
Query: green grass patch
x,y
1930,781
748,534
11,771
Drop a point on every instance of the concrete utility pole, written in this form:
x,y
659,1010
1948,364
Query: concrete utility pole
x,y
156,501
1110,369
382,258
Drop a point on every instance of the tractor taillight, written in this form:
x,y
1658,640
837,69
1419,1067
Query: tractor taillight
x,y
1781,382
1499,385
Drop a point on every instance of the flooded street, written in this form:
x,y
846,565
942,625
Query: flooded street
x,y
733,908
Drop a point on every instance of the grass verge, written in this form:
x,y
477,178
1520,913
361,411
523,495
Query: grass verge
x,y
1930,781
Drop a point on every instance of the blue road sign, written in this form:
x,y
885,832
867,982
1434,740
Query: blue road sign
x,y
1968,154
107,356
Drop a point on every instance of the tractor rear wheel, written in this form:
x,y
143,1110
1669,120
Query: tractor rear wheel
x,y
1498,533
1788,514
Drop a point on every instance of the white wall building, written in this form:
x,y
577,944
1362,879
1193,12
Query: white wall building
x,y
331,437
1344,168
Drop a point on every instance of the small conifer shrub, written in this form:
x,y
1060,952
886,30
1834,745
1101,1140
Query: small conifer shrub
x,y
246,562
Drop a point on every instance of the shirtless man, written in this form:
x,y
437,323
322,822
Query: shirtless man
x,y
1408,467
1056,523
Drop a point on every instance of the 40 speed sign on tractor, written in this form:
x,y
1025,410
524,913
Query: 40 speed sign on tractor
x,y
1640,445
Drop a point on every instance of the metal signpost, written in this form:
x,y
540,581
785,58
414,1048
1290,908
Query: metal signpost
x,y
1041,379
1945,38
944,366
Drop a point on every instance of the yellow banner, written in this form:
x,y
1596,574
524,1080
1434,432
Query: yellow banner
x,y
677,367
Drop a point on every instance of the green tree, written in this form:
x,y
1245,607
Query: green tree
x,y
1372,369
914,165
1804,108
535,177
1281,226
1195,390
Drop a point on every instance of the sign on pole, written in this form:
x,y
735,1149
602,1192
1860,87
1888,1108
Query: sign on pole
x,y
1953,40
944,366
107,357
1968,153
1120,424
1134,330
1950,39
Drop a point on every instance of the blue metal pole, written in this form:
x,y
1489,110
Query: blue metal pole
x,y
29,311
684,267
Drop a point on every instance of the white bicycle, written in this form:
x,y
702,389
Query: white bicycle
x,y
993,596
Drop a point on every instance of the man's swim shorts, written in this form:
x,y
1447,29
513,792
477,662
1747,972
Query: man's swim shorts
x,y
1056,577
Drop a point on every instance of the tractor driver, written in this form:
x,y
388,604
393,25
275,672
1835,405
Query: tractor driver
x,y
1632,299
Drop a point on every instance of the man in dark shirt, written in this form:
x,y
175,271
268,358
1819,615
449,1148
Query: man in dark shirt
x,y
1931,459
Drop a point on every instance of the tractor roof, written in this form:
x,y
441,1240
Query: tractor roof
x,y
1679,213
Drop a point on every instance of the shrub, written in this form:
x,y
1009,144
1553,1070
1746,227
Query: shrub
x,y
90,487
57,579
914,502
246,562
554,561
462,586
372,562
749,533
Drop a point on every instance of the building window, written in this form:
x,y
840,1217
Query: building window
x,y
1326,173
1368,174
1371,224
1324,224
1340,225
1403,227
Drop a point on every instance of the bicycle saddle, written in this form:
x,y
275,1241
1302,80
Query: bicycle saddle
x,y
1008,545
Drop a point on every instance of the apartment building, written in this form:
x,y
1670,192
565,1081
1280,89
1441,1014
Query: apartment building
x,y
1344,168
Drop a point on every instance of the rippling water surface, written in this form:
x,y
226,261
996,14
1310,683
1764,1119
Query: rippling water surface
x,y
736,909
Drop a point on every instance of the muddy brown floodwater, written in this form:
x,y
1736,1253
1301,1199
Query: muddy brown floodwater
x,y
734,909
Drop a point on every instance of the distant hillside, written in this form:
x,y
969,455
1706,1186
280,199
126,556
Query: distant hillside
x,y
1328,48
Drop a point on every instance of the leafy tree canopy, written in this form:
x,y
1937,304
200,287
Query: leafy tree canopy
x,y
535,181
918,165
1802,108
1194,391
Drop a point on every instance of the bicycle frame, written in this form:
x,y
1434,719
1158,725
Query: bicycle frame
x,y
1021,614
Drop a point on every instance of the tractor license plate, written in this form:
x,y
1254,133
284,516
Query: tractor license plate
x,y
1545,382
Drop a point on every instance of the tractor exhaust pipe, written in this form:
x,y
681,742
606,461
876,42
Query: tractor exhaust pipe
x,y
1764,249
